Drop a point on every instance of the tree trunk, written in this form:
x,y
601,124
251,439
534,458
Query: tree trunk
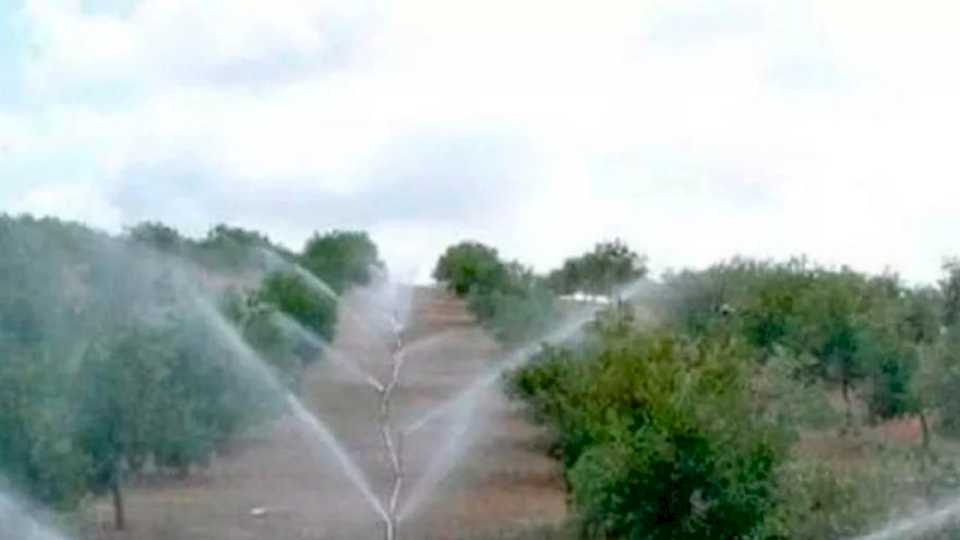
x,y
845,391
925,431
119,517
183,471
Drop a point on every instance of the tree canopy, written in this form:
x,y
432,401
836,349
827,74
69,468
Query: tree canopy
x,y
600,271
117,351
470,266
341,258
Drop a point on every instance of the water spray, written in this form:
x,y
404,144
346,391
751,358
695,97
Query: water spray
x,y
918,525
319,431
289,324
392,439
16,521
515,360
463,405
388,507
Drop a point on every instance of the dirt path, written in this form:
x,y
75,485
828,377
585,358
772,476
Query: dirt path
x,y
499,479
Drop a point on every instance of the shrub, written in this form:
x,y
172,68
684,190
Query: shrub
x,y
516,318
291,294
660,434
816,500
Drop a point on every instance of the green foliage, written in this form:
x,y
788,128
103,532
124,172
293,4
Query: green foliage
x,y
772,296
856,329
817,501
937,386
111,358
661,435
225,251
471,267
889,364
827,324
290,293
517,318
341,258
108,361
921,315
230,249
643,437
259,324
169,390
37,452
600,271
507,298
950,288
788,397
158,236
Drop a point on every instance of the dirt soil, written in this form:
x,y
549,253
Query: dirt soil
x,y
479,473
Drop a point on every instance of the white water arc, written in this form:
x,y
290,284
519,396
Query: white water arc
x,y
392,440
464,404
442,463
16,523
391,305
318,430
291,326
320,286
520,356
918,525
513,361
461,410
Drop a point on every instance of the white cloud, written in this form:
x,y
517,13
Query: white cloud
x,y
77,201
164,42
696,129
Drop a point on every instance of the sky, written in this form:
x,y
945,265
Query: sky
x,y
692,129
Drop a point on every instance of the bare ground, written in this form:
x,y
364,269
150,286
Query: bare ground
x,y
499,478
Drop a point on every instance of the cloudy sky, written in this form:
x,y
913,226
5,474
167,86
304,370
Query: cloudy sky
x,y
694,129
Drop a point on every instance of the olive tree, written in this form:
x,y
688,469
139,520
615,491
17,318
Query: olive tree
x,y
470,266
600,271
341,258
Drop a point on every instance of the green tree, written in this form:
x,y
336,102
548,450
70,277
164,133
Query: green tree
x,y
937,385
470,266
158,236
950,289
37,450
921,315
234,249
889,363
518,318
661,435
108,360
600,271
290,294
341,258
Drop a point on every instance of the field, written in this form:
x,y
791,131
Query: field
x,y
276,484
749,399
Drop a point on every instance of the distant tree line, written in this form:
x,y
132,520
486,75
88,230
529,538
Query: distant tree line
x,y
515,303
117,353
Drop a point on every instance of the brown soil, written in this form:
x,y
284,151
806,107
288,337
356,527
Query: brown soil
x,y
501,482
